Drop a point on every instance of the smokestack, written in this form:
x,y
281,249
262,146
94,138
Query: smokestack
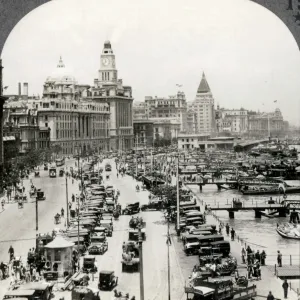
x,y
20,89
25,89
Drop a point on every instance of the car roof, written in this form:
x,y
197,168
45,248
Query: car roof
x,y
34,286
20,293
106,272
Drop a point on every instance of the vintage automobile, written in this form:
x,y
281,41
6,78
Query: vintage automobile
x,y
79,293
153,205
31,291
132,209
130,264
103,230
98,245
107,224
107,280
89,264
40,196
133,234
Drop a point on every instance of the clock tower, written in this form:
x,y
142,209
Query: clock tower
x,y
108,74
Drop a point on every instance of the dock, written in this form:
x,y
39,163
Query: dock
x,y
258,208
287,272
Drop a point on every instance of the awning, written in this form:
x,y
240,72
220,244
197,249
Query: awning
x,y
8,138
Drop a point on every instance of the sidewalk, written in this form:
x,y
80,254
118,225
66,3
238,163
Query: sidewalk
x,y
268,282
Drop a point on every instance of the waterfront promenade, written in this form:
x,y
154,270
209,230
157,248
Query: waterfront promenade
x,y
269,281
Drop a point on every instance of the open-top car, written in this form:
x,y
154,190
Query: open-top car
x,y
107,280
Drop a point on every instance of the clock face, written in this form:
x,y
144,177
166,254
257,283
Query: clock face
x,y
105,61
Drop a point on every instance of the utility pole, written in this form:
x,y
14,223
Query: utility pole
x,y
142,294
36,214
168,244
67,202
136,165
144,158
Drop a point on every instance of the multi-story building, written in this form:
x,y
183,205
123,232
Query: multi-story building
x,y
265,124
203,105
139,111
21,121
234,120
77,125
108,89
174,107
191,120
143,133
166,128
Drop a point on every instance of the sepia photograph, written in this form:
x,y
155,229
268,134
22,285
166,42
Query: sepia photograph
x,y
149,149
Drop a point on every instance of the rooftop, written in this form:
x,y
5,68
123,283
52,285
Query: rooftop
x,y
203,86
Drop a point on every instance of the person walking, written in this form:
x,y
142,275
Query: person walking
x,y
263,256
243,255
227,229
279,259
232,233
270,296
285,287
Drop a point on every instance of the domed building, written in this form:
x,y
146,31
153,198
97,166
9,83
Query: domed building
x,y
77,123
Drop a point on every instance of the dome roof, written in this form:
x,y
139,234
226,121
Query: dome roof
x,y
61,74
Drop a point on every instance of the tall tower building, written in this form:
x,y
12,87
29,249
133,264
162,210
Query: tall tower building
x,y
110,89
203,105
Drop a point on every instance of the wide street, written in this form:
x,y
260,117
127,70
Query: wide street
x,y
154,249
18,226
18,230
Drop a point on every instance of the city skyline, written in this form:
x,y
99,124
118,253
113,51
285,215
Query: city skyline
x,y
153,59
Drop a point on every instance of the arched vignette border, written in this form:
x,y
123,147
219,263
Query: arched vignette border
x,y
12,11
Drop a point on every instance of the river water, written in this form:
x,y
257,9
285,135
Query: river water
x,y
260,234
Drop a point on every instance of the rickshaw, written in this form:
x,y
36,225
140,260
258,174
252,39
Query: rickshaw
x,y
57,219
107,280
89,264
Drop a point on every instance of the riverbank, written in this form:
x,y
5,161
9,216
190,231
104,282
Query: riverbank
x,y
268,282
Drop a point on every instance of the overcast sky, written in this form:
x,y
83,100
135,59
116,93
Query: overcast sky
x,y
249,56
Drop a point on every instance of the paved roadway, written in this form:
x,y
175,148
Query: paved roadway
x,y
18,229
154,250
18,225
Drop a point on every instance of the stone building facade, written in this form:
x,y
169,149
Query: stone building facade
x,y
203,106
173,107
108,89
77,124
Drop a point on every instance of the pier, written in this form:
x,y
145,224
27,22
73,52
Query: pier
x,y
258,209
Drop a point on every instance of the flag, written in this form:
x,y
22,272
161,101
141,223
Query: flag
x,y
275,101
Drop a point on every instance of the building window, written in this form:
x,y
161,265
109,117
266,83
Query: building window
x,y
46,124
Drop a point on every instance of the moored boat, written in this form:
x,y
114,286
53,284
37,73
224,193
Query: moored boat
x,y
289,231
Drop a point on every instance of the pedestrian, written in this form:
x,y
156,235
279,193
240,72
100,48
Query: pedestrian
x,y
257,255
227,229
279,259
11,252
232,232
263,256
243,255
270,296
285,287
